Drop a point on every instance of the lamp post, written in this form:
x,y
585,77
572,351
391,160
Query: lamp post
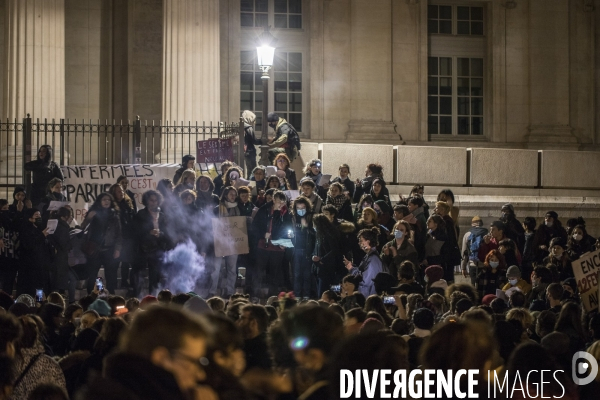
x,y
265,51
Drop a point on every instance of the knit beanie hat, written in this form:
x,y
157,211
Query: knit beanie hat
x,y
510,207
552,214
434,273
26,299
101,307
147,301
513,272
197,305
487,299
19,189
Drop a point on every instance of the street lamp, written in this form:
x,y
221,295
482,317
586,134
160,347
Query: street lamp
x,y
265,51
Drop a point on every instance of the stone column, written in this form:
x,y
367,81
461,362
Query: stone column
x,y
371,78
32,67
191,76
549,76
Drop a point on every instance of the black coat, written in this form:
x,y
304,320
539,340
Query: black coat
x,y
42,174
279,224
250,141
126,217
61,241
105,229
146,242
348,185
35,257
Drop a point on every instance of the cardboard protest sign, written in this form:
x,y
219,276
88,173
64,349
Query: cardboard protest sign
x,y
214,150
83,183
230,235
586,270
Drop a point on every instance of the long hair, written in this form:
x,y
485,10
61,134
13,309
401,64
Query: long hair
x,y
113,189
439,221
570,317
98,202
48,148
309,208
211,184
227,180
222,207
498,255
184,175
371,212
285,157
52,183
271,178
364,198
370,235
325,229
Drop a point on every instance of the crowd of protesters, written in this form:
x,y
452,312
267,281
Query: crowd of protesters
x,y
365,284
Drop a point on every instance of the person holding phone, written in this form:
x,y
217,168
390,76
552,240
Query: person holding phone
x,y
303,237
370,265
104,232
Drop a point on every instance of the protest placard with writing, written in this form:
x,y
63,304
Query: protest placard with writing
x,y
230,235
586,270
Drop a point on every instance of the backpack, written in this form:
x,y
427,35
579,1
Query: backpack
x,y
474,242
293,137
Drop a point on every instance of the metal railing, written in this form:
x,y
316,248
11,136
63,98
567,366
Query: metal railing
x,y
81,142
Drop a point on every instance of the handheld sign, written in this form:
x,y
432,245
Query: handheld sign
x,y
230,235
586,270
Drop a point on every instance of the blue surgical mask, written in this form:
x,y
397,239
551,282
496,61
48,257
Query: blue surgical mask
x,y
398,234
494,264
513,282
301,213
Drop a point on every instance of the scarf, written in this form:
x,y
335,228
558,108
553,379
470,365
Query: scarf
x,y
280,122
337,202
411,219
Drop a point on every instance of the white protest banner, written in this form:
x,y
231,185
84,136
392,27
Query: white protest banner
x,y
231,236
83,183
586,270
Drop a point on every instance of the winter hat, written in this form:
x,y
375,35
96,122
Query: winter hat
x,y
434,273
510,207
19,189
558,241
101,307
552,214
463,305
272,117
487,299
384,282
423,318
26,299
85,340
571,282
197,305
476,221
513,272
147,301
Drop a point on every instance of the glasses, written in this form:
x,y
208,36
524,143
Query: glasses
x,y
281,161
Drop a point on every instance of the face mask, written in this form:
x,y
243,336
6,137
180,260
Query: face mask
x,y
38,221
578,237
513,282
558,256
549,224
398,234
426,279
494,264
301,213
77,322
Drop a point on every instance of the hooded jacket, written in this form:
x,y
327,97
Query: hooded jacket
x,y
43,171
184,162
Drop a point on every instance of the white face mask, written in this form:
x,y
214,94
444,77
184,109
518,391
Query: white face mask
x,y
578,237
513,282
549,224
494,264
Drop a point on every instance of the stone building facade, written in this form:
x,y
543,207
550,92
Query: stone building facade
x,y
492,74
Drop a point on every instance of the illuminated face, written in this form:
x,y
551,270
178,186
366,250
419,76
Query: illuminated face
x,y
259,175
281,163
277,203
431,224
57,188
334,191
187,199
20,196
244,197
118,193
152,203
401,228
557,251
105,202
190,164
496,233
367,217
273,184
377,188
502,249
231,196
329,215
204,184
189,179
307,190
124,184
42,153
344,173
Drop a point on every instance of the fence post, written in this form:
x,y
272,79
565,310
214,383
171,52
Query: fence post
x,y
62,141
137,141
27,128
241,152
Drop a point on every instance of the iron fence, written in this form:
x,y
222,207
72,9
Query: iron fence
x,y
87,142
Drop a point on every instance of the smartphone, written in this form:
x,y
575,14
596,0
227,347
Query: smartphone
x,y
39,295
389,300
120,307
336,288
99,284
